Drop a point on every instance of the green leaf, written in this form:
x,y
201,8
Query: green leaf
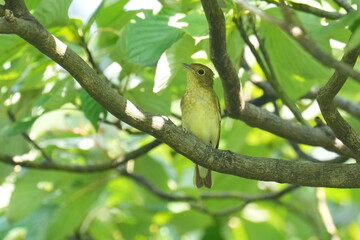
x,y
169,68
295,69
141,42
63,92
10,47
188,221
340,30
53,12
197,24
91,108
5,170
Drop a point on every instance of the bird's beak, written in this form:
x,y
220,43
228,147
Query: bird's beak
x,y
187,66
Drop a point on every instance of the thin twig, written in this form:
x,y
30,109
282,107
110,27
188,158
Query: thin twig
x,y
196,203
107,165
268,70
311,10
28,138
153,189
302,155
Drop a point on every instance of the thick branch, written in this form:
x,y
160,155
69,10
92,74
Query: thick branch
x,y
234,100
257,117
326,96
267,169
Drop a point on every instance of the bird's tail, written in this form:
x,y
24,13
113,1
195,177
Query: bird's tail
x,y
202,177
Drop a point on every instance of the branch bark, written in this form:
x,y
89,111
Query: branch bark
x,y
234,99
326,96
267,169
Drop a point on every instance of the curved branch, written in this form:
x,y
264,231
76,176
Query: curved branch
x,y
194,202
326,96
350,107
345,4
267,169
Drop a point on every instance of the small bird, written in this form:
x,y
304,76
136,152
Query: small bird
x,y
201,113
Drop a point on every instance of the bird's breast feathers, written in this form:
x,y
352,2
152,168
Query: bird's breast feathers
x,y
201,115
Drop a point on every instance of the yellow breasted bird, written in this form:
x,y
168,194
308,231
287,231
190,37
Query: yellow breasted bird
x,y
201,113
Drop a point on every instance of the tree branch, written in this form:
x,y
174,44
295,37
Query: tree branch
x,y
326,96
268,71
345,4
342,103
267,169
257,117
196,204
32,142
154,190
298,33
311,10
234,99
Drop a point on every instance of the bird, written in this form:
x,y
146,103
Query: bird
x,y
201,114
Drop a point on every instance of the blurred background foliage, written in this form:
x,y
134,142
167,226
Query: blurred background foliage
x,y
139,49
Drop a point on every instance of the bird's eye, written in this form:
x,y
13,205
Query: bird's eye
x,y
201,72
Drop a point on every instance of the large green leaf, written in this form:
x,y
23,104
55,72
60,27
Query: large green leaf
x,y
63,92
113,15
141,42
